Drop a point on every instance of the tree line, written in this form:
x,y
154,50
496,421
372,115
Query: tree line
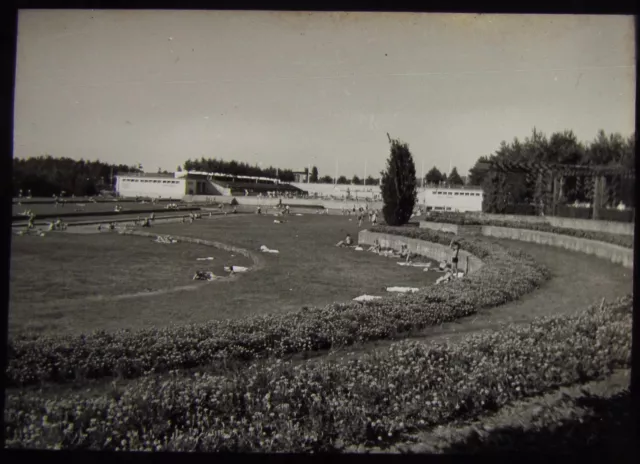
x,y
45,176
399,186
236,168
559,148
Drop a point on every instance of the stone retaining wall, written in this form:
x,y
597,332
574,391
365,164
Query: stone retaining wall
x,y
613,253
468,262
621,228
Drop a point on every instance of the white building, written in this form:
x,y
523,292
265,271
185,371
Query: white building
x,y
150,186
451,199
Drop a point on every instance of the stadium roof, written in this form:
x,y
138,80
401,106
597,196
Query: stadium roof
x,y
153,175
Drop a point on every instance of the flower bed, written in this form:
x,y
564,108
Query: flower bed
x,y
373,401
506,276
462,220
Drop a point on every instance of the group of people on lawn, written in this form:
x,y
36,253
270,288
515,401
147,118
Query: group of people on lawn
x,y
371,214
405,253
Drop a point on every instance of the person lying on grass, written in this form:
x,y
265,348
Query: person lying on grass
x,y
347,242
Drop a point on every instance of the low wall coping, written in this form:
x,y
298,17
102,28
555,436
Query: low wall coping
x,y
470,263
615,253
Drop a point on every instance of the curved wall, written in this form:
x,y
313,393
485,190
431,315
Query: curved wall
x,y
593,225
435,251
613,253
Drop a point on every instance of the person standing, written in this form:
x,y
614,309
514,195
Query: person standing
x,y
455,246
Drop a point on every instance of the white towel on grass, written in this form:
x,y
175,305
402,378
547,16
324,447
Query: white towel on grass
x,y
265,249
236,269
402,289
366,298
210,258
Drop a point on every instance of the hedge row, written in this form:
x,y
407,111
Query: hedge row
x,y
505,277
462,220
324,406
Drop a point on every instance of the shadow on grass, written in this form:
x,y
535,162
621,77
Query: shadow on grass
x,y
605,429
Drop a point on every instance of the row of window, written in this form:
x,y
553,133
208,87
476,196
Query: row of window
x,y
440,192
152,181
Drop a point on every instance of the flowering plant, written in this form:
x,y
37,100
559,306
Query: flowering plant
x,y
374,400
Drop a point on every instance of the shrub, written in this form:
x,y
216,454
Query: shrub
x,y
398,185
375,400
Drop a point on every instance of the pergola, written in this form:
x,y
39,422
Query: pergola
x,y
550,181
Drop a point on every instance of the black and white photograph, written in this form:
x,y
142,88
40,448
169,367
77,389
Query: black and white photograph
x,y
318,232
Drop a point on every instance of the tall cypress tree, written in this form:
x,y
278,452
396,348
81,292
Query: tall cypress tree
x,y
398,185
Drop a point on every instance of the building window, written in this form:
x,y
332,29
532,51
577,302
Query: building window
x,y
456,193
450,193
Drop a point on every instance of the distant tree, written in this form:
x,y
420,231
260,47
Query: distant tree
x,y
314,174
46,175
370,181
342,180
398,185
179,169
355,180
478,172
434,176
454,178
326,180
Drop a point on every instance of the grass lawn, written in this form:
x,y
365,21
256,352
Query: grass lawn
x,y
54,278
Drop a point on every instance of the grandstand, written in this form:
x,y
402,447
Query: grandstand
x,y
232,185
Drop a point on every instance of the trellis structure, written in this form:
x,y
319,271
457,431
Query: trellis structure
x,y
549,179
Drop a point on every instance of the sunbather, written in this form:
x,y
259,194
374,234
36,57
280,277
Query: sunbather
x,y
376,248
346,242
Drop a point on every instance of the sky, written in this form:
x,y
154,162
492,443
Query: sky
x,y
296,89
